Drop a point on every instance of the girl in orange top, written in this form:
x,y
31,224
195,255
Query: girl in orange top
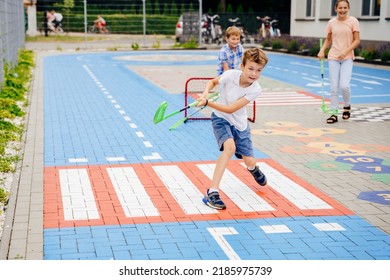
x,y
344,36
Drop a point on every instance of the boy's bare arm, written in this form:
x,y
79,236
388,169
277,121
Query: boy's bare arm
x,y
208,88
231,108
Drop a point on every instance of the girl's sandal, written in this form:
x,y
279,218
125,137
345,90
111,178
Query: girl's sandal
x,y
332,119
347,113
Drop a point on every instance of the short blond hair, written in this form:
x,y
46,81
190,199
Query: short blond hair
x,y
232,30
256,55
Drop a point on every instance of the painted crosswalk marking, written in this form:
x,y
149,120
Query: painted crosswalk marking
x,y
245,198
171,192
287,98
77,196
183,190
133,198
299,196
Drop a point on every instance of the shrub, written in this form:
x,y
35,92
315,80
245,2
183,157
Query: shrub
x,y
277,44
384,51
266,43
292,46
369,54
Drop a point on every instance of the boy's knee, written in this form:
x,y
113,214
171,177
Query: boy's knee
x,y
229,147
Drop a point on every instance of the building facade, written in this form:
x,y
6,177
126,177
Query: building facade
x,y
309,18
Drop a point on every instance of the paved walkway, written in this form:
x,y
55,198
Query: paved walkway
x,y
99,180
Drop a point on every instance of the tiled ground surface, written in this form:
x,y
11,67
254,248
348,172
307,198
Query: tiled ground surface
x,y
116,186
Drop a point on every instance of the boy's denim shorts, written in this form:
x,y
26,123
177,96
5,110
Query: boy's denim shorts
x,y
223,130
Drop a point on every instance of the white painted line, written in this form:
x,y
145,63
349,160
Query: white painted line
x,y
276,229
218,234
132,196
117,106
152,157
115,159
133,125
295,193
183,190
109,96
287,103
122,112
77,195
328,226
127,118
113,101
148,144
244,197
139,134
73,160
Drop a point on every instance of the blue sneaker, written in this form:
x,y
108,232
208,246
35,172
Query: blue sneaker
x,y
259,176
213,200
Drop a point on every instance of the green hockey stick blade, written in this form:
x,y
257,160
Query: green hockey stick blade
x,y
160,112
178,123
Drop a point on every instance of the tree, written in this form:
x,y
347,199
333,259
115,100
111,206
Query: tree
x,y
229,8
222,6
156,8
174,10
166,9
240,9
68,6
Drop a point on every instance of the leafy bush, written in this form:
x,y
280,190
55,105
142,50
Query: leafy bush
x,y
190,44
292,46
311,46
277,44
13,89
266,43
384,51
369,54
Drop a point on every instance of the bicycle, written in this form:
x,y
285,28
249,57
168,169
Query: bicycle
x,y
51,29
95,30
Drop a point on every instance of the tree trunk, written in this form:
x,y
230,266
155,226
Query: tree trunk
x,y
223,6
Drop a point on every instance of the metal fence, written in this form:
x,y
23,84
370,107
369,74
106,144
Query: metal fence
x,y
127,16
12,30
122,16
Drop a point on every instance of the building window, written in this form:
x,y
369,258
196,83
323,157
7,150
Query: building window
x,y
371,7
310,8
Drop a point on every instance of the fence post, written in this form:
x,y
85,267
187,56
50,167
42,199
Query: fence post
x,y
144,20
85,23
200,22
32,18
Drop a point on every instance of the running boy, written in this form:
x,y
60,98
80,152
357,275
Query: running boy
x,y
230,55
229,119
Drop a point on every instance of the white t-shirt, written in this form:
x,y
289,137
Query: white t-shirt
x,y
58,17
230,91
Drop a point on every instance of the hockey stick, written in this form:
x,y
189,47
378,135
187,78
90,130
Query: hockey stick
x,y
183,120
159,116
325,109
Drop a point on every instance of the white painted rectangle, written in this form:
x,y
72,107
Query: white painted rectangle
x,y
183,190
295,193
132,196
77,195
244,197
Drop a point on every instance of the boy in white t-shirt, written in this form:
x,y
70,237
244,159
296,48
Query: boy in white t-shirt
x,y
229,119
